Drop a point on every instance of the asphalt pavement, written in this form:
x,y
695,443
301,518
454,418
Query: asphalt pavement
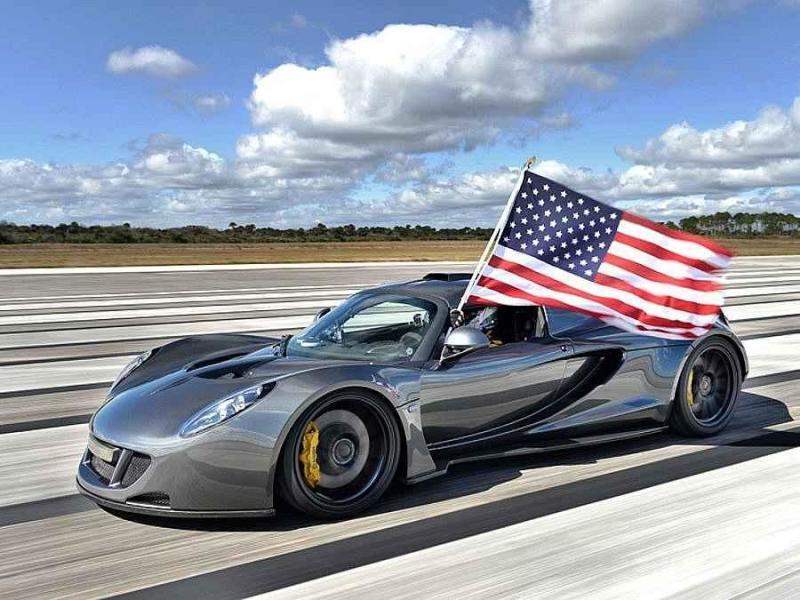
x,y
658,517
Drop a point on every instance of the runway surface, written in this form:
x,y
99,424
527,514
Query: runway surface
x,y
661,517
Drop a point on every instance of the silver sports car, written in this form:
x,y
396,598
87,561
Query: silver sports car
x,y
381,387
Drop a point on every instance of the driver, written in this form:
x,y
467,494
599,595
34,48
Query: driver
x,y
486,321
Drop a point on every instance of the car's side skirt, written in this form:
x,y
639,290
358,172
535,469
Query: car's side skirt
x,y
554,446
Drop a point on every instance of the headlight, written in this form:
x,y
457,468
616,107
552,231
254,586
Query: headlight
x,y
223,410
131,367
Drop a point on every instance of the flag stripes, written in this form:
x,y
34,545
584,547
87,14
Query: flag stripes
x,y
559,248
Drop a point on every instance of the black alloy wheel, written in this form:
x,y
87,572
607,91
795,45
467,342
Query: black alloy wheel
x,y
707,390
341,456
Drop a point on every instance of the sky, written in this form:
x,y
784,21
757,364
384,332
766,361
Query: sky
x,y
384,113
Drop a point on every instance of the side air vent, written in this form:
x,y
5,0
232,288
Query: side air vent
x,y
447,276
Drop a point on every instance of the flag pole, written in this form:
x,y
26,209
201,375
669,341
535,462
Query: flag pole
x,y
495,234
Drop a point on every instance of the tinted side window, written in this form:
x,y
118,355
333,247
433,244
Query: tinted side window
x,y
563,323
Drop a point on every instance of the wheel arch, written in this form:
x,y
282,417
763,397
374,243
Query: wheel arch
x,y
414,458
732,340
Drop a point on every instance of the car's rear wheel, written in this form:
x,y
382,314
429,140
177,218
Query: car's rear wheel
x,y
707,390
341,456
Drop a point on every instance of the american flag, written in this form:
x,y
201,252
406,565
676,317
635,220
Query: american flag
x,y
559,248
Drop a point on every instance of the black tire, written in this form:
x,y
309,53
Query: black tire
x,y
715,375
355,470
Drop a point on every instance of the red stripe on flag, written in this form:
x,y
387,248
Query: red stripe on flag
x,y
664,254
509,290
669,301
680,235
647,273
616,305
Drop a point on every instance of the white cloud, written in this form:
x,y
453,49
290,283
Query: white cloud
x,y
591,31
149,60
773,135
416,89
210,103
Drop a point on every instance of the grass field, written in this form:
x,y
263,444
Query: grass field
x,y
97,255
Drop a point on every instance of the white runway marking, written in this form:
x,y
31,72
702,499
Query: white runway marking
x,y
61,373
47,457
143,332
224,309
242,267
339,294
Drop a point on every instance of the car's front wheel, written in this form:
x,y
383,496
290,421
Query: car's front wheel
x,y
341,456
707,390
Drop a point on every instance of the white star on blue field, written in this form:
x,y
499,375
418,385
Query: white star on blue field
x,y
558,226
169,114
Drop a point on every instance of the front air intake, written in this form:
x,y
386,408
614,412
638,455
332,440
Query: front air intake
x,y
156,499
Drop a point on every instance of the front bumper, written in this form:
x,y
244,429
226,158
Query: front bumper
x,y
153,510
212,475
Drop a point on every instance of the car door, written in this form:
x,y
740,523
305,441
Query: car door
x,y
486,391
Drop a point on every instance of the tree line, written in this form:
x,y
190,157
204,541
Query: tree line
x,y
721,224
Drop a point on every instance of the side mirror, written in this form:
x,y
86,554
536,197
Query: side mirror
x,y
462,340
321,313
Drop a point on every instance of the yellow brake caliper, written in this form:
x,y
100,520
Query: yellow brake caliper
x,y
308,455
689,390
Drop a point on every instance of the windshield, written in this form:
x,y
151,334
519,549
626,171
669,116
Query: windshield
x,y
376,327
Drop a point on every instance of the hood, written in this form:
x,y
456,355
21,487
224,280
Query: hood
x,y
148,408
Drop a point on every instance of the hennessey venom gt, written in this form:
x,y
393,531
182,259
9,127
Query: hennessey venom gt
x,y
380,388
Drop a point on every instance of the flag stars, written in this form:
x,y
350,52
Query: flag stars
x,y
524,246
570,204
546,238
595,259
559,234
518,210
552,248
552,223
546,187
563,244
547,213
612,216
541,203
563,193
588,272
529,232
518,235
571,266
524,220
512,224
558,208
592,223
530,205
524,195
580,200
552,197
535,191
